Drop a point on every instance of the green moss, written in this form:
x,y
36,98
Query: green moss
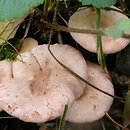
x,y
9,51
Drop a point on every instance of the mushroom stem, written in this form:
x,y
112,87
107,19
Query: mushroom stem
x,y
100,55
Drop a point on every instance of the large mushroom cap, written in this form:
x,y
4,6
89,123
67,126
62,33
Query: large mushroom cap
x,y
39,88
93,104
85,18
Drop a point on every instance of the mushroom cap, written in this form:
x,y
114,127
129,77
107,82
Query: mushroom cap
x,y
5,70
39,88
93,104
28,44
85,18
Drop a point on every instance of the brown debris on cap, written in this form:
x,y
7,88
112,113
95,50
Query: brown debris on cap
x,y
85,18
93,104
39,87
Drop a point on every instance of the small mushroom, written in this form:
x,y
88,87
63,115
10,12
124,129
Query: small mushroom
x,y
93,104
39,88
85,18
28,44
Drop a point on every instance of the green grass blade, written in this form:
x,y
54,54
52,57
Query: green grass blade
x,y
62,119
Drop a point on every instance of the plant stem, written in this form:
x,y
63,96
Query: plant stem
x,y
62,119
45,25
116,123
100,55
68,69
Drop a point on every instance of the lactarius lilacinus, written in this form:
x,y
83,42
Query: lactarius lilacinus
x,y
36,88
85,18
93,104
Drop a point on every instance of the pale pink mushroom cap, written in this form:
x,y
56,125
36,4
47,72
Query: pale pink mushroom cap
x,y
39,88
85,18
28,44
93,104
5,72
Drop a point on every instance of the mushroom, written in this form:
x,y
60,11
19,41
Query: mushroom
x,y
85,18
28,44
5,72
93,104
36,88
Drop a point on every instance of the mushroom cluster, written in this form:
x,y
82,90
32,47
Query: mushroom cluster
x,y
85,18
35,88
